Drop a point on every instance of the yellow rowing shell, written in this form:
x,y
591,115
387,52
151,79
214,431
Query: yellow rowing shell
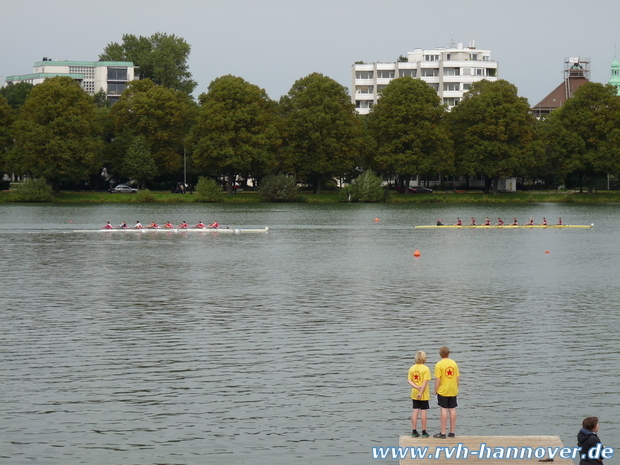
x,y
507,226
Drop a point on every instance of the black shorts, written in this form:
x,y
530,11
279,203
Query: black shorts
x,y
420,404
446,402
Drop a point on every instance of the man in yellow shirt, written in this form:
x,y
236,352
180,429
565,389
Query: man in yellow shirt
x,y
418,378
446,388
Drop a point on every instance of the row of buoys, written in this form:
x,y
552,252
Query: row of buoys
x,y
417,253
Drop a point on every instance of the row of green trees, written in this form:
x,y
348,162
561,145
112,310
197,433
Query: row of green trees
x,y
57,132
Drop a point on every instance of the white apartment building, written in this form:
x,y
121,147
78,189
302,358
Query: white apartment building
x,y
93,76
449,71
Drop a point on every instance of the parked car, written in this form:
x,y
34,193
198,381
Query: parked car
x,y
417,190
123,189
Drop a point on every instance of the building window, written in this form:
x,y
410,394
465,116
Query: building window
x,y
435,87
473,56
451,101
385,74
466,87
431,57
365,89
363,104
89,87
407,72
451,86
87,71
363,75
114,88
380,88
430,72
452,71
117,74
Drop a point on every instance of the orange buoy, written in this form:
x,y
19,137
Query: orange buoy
x,y
416,253
546,251
376,220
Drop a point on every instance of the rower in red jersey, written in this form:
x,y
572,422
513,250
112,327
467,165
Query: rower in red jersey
x,y
560,222
544,221
153,225
183,225
473,222
200,225
514,222
487,222
107,226
458,222
500,222
169,225
531,222
123,225
214,225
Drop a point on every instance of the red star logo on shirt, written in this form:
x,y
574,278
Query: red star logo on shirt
x,y
416,376
450,372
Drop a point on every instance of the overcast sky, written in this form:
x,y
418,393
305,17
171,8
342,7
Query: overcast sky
x,y
272,43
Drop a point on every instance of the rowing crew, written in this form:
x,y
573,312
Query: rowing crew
x,y
500,222
168,225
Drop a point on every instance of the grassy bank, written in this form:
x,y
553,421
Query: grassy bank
x,y
514,197
332,197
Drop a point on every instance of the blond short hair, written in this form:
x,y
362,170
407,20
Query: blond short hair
x,y
420,357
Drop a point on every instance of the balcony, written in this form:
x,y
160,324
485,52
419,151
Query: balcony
x,y
452,93
430,79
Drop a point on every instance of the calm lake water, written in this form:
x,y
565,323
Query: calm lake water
x,y
293,346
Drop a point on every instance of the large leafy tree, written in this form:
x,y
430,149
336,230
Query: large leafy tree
x,y
322,133
16,94
161,115
236,130
7,116
57,135
493,132
410,132
161,58
583,136
138,162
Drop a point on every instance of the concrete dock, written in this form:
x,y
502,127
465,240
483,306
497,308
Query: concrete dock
x,y
487,450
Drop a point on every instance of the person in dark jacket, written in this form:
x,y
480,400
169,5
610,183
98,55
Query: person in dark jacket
x,y
588,439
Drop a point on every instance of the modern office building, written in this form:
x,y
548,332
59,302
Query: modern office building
x,y
449,71
110,76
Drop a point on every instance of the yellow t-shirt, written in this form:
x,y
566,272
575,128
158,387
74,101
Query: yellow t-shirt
x,y
419,373
448,371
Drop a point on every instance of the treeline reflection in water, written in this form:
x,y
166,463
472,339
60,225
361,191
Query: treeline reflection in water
x,y
293,346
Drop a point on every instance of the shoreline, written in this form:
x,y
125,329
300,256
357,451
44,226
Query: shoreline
x,y
333,197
